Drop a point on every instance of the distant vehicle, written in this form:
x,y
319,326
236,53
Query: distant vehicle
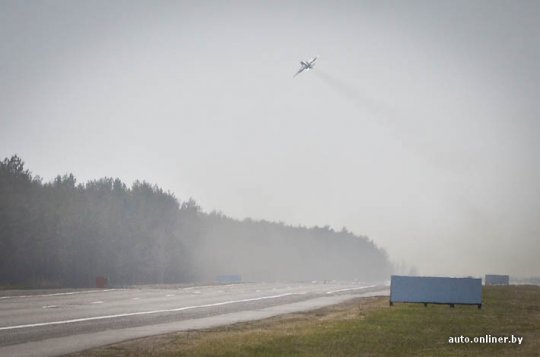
x,y
306,65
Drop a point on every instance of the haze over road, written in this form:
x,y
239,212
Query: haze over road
x,y
68,321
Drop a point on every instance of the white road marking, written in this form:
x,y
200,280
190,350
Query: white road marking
x,y
50,306
340,290
97,302
142,312
135,298
168,295
57,294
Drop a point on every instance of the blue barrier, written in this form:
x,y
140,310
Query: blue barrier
x,y
228,279
436,290
492,279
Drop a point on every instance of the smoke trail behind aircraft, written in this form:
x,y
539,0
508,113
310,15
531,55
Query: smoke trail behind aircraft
x,y
374,112
411,131
354,95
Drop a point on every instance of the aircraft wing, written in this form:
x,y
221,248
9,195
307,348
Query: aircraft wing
x,y
299,71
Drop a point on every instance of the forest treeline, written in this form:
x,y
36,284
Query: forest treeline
x,y
65,234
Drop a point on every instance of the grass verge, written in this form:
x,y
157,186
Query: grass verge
x,y
365,326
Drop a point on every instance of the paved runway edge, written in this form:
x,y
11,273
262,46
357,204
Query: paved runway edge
x,y
70,344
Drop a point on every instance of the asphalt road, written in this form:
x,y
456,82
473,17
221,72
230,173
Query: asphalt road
x,y
59,322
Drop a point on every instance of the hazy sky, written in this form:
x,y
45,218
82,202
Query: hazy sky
x,y
419,126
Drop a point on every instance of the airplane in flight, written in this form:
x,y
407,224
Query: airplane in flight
x,y
306,65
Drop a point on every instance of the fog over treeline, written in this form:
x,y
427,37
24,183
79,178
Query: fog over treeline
x,y
64,233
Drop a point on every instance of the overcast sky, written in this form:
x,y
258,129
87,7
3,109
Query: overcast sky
x,y
419,126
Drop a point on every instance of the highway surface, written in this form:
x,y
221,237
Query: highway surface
x,y
60,322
